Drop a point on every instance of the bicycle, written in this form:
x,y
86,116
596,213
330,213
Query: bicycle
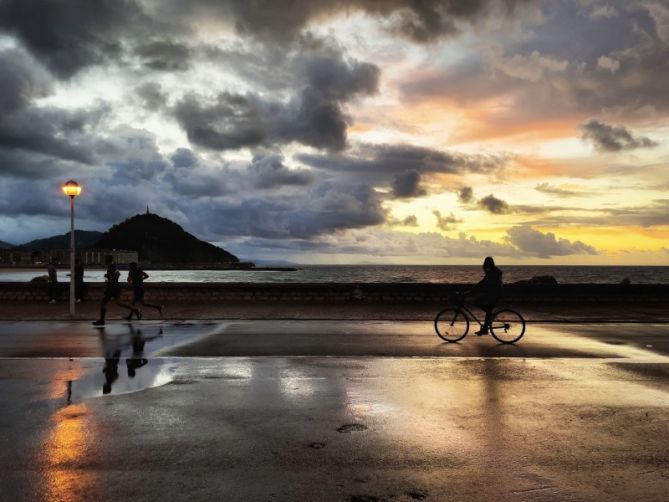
x,y
452,323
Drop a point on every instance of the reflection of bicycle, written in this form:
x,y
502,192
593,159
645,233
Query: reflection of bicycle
x,y
452,324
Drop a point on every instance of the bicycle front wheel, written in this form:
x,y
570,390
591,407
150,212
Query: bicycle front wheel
x,y
508,326
451,325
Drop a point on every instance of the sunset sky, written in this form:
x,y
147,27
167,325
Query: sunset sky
x,y
360,131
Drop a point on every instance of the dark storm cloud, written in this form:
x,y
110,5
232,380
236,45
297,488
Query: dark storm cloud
x,y
134,155
22,197
232,121
21,81
494,205
49,131
269,171
198,182
324,209
607,138
653,214
568,64
545,245
446,222
334,207
184,157
400,167
69,35
313,116
407,184
264,172
42,129
165,55
465,194
408,221
380,164
419,20
19,163
656,213
151,96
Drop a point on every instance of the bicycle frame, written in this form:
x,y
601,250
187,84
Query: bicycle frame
x,y
469,314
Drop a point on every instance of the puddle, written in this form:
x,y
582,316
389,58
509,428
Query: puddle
x,y
122,376
125,367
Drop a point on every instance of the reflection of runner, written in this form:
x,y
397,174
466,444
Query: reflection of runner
x,y
112,348
137,360
136,278
113,292
111,371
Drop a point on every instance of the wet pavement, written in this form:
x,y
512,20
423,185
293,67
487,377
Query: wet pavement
x,y
339,410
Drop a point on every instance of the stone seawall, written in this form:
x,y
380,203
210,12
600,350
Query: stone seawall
x,y
655,294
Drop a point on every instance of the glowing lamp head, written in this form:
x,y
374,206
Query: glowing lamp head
x,y
71,188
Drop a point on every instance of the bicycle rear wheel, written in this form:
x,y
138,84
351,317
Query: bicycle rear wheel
x,y
451,325
508,326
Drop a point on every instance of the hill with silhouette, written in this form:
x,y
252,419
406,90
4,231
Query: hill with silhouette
x,y
84,240
158,240
6,245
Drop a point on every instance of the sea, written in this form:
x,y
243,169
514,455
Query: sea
x,y
455,274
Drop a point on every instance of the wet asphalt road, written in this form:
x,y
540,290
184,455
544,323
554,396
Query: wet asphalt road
x,y
340,411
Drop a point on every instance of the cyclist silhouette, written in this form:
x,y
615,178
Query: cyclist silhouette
x,y
487,292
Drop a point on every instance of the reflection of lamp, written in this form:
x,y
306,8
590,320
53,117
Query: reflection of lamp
x,y
71,189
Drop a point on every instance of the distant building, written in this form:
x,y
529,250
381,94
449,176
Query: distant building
x,y
102,257
10,257
106,256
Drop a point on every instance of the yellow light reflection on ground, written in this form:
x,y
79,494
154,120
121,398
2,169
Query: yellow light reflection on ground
x,y
65,448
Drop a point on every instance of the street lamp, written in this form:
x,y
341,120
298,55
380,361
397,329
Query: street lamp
x,y
71,189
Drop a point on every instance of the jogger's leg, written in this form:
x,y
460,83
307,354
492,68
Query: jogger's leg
x,y
159,308
103,308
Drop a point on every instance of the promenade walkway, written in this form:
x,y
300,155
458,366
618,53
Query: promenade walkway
x,y
338,410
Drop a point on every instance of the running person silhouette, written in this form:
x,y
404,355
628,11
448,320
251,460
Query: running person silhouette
x,y
113,292
488,292
136,278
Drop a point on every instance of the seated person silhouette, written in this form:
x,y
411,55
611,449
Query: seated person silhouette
x,y
487,292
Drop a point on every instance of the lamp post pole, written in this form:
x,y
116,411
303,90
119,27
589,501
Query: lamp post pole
x,y
72,255
72,189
